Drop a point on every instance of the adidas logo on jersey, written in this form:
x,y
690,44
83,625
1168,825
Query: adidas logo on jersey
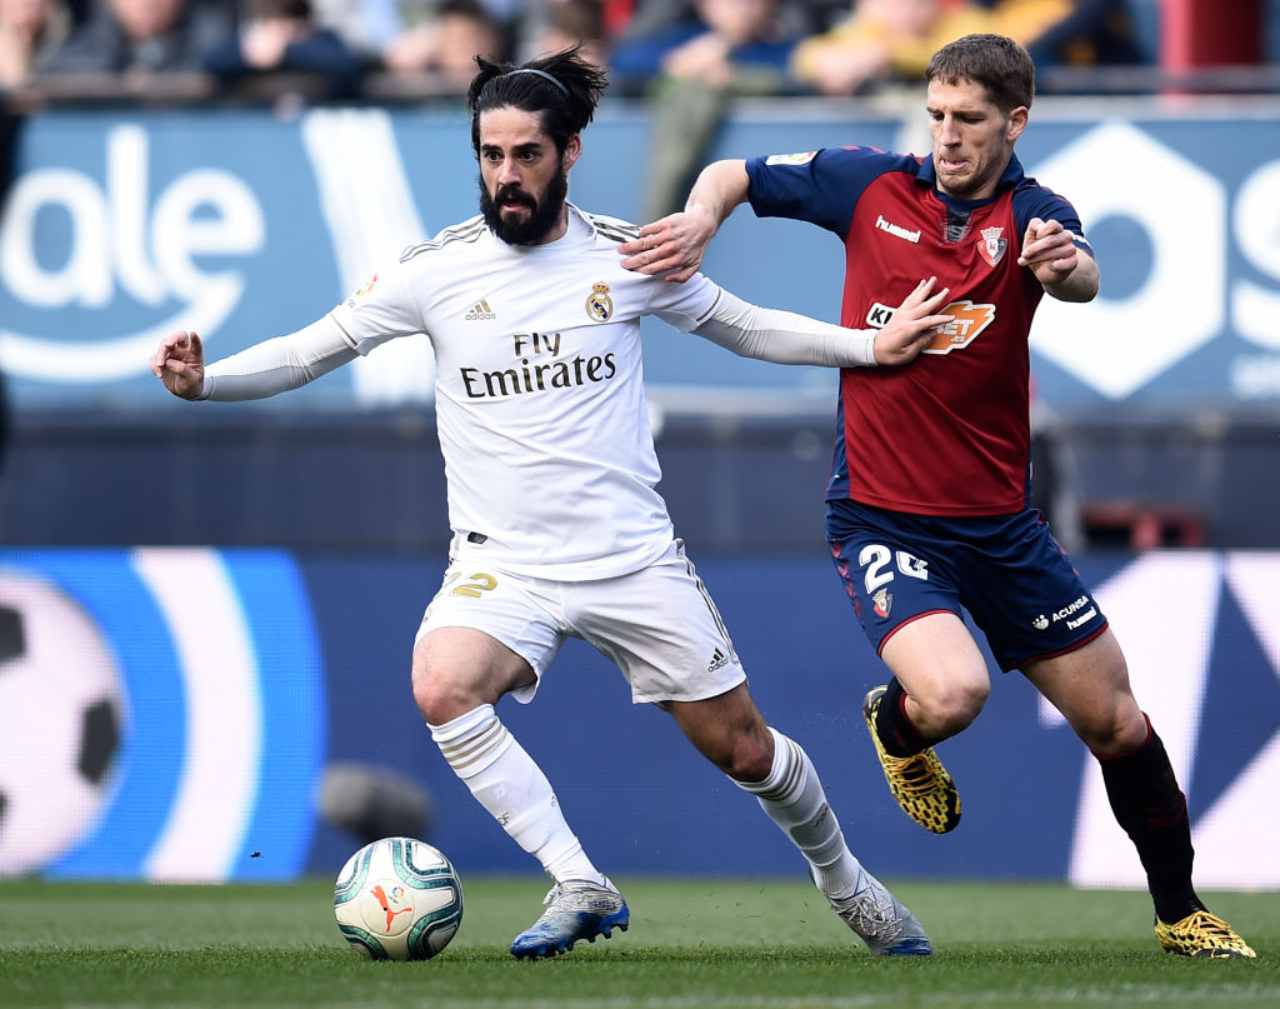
x,y
481,312
718,659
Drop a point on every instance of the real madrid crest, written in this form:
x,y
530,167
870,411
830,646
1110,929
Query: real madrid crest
x,y
599,304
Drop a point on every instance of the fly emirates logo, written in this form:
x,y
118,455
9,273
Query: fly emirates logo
x,y
538,367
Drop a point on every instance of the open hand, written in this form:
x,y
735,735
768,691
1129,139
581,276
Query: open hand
x,y
675,243
179,363
913,326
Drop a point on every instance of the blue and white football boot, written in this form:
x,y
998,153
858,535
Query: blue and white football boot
x,y
881,920
576,909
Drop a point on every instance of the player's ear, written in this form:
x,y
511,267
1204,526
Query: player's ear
x,y
1017,122
572,151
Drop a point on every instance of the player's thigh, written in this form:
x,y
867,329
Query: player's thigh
x,y
940,666
486,633
1090,686
1022,590
662,629
457,668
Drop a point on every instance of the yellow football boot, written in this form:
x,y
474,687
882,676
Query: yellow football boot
x,y
919,784
1204,935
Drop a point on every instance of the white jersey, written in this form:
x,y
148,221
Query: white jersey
x,y
540,399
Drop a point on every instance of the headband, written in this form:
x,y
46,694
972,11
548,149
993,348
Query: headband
x,y
540,73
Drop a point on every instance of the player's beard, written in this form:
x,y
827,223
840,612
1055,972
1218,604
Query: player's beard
x,y
545,213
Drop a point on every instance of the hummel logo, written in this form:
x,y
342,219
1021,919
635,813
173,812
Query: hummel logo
x,y
481,312
897,230
717,660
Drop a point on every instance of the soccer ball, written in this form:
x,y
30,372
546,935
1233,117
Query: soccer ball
x,y
398,899
62,714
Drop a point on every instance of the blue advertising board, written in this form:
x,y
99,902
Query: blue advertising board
x,y
233,679
122,226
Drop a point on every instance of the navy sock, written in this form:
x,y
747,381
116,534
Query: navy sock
x,y
1148,804
899,737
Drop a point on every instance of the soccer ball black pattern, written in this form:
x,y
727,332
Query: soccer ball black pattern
x,y
61,722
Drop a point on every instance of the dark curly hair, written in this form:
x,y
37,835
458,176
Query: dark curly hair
x,y
566,102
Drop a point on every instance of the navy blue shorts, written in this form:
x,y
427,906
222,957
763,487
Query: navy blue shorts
x,y
1006,570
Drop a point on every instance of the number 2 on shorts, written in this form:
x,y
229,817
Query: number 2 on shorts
x,y
875,557
475,585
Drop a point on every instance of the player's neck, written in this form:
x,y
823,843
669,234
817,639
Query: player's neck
x,y
557,232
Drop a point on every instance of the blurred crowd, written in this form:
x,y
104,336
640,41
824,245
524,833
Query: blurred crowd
x,y
836,47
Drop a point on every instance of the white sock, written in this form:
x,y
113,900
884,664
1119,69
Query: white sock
x,y
793,797
507,782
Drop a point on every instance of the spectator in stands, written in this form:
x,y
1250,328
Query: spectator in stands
x,y
895,38
736,47
448,43
725,39
884,38
283,36
366,26
652,18
30,32
1079,33
143,35
563,24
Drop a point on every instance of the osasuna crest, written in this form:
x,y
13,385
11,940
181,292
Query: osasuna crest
x,y
882,603
599,304
992,245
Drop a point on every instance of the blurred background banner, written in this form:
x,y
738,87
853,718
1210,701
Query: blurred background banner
x,y
215,691
240,224
162,712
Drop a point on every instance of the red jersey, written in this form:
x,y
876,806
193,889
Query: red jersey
x,y
950,433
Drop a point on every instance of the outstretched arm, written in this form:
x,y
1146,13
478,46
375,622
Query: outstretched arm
x,y
262,370
677,243
787,338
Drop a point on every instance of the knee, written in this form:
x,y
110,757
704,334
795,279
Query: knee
x,y
952,705
1116,731
440,698
747,756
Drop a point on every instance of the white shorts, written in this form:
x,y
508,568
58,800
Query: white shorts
x,y
658,624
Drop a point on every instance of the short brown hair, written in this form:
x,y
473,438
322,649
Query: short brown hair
x,y
996,62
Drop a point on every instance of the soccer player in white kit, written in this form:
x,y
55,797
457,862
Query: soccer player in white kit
x,y
558,529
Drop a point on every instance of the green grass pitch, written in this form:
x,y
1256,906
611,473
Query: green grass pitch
x,y
693,943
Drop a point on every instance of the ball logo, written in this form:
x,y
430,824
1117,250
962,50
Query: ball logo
x,y
397,895
121,243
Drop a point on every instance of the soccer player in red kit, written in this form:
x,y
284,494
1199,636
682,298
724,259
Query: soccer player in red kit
x,y
927,505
